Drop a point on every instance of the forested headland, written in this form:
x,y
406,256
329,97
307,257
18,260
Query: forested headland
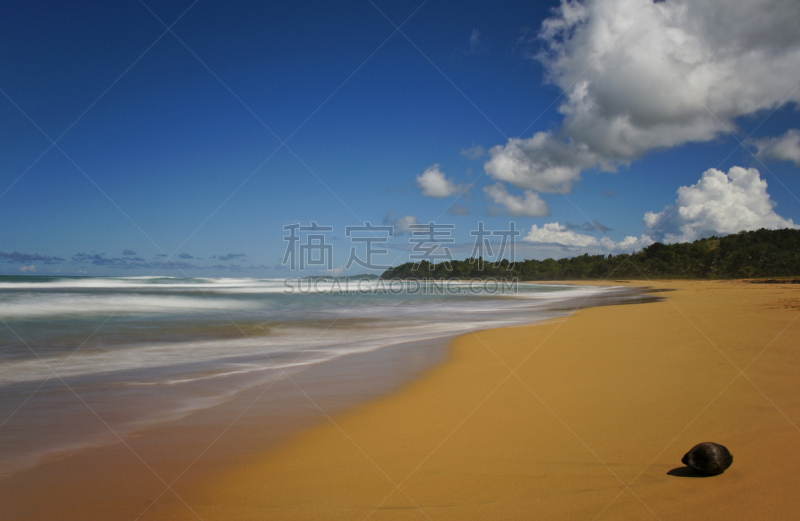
x,y
757,254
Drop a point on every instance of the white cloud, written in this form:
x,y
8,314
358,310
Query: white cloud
x,y
718,204
555,233
628,244
475,152
782,148
402,225
25,269
639,75
530,206
433,183
543,162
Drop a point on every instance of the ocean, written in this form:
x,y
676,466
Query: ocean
x,y
86,361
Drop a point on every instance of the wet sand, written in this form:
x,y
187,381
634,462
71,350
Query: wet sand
x,y
128,480
585,417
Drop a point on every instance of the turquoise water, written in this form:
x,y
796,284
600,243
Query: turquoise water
x,y
140,351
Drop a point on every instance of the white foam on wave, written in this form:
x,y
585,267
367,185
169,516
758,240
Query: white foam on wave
x,y
32,305
274,286
166,283
202,359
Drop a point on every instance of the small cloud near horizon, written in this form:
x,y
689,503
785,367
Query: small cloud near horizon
x,y
402,225
24,258
231,256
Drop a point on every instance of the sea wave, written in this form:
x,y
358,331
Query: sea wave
x,y
145,350
32,305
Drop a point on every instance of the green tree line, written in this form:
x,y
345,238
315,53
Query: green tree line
x,y
756,254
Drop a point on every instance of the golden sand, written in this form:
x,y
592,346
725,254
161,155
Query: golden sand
x,y
581,418
585,417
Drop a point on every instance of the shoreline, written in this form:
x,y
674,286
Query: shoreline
x,y
258,419
262,423
608,396
370,373
338,469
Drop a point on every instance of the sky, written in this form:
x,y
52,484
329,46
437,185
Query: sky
x,y
191,138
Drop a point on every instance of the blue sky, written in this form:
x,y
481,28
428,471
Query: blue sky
x,y
203,141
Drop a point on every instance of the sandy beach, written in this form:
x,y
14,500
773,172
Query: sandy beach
x,y
585,417
400,260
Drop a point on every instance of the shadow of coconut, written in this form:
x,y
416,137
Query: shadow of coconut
x,y
686,472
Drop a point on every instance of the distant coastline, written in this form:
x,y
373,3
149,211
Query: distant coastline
x,y
755,254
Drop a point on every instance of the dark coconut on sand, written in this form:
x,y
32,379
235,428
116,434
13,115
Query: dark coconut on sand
x,y
708,458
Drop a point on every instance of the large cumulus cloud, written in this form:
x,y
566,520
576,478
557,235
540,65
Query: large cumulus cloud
x,y
639,75
719,204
